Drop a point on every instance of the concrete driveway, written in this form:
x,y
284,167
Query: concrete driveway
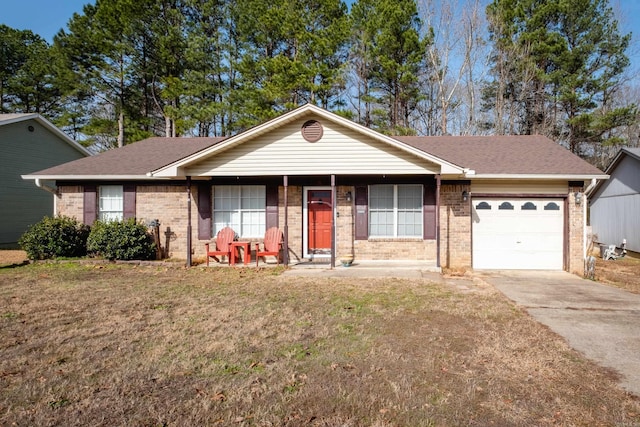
x,y
600,321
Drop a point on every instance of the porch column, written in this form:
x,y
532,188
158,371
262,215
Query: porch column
x,y
438,221
333,221
285,246
188,221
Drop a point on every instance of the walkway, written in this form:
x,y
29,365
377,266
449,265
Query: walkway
x,y
600,321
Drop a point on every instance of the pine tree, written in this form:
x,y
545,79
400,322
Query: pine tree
x,y
557,64
388,54
27,81
291,54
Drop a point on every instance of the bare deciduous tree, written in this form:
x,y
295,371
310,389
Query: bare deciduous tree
x,y
456,57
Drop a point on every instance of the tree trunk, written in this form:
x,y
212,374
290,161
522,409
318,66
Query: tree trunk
x,y
121,128
167,126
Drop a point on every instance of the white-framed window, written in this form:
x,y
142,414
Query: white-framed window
x,y
241,207
395,210
110,203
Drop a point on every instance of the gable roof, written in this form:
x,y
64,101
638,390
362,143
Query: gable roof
x,y
472,157
133,161
507,155
631,152
177,168
622,153
7,119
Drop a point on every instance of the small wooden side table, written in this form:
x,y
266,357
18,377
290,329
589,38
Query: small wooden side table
x,y
246,254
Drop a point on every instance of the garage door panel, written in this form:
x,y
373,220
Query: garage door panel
x,y
525,237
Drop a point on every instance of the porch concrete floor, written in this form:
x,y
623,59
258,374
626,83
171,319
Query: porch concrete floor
x,y
364,268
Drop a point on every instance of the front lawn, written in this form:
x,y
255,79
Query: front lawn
x,y
623,273
122,345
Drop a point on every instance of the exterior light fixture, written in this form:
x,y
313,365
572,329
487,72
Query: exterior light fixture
x,y
348,196
578,196
465,196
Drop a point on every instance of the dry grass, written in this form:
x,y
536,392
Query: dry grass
x,y
122,345
622,272
10,257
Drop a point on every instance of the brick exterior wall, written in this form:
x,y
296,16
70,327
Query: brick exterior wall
x,y
168,204
455,226
294,211
575,256
70,201
345,227
373,249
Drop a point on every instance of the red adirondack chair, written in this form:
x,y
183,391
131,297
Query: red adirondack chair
x,y
223,242
271,246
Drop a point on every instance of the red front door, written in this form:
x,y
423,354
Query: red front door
x,y
319,220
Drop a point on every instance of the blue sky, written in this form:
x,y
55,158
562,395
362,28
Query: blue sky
x,y
43,17
47,17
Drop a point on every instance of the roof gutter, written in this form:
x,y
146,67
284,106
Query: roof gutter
x,y
541,176
46,187
93,177
590,187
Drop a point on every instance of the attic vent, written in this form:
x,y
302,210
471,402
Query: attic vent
x,y
312,131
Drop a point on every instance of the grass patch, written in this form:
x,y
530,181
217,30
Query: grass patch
x,y
622,272
133,345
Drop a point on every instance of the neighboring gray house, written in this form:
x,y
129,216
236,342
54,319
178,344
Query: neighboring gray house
x,y
615,204
28,143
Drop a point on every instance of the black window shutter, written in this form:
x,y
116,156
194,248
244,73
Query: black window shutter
x,y
90,204
204,211
362,213
429,212
272,206
129,202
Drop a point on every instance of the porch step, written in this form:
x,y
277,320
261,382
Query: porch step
x,y
369,265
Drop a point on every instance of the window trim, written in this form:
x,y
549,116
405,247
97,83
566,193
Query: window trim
x,y
118,214
239,210
396,223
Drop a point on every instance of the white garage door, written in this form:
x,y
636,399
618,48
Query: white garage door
x,y
524,234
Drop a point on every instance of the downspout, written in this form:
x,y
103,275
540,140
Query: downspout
x,y
285,246
46,187
51,190
590,186
585,201
188,221
438,221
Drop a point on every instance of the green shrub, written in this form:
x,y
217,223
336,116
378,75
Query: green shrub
x,y
121,240
61,236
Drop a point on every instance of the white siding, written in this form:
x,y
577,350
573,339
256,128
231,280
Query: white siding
x,y
283,151
519,187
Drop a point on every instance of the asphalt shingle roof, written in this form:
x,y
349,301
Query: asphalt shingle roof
x,y
512,154
504,154
134,159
